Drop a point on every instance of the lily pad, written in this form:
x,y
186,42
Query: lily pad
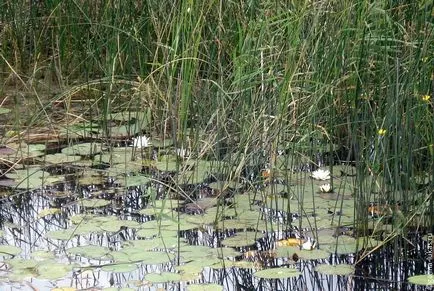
x,y
155,211
51,270
280,204
24,150
164,277
162,143
4,110
88,227
132,167
60,158
7,250
343,248
188,268
203,219
193,252
83,149
238,224
119,268
166,203
222,265
22,274
277,273
116,156
116,225
42,255
120,257
27,174
286,251
132,181
63,234
313,254
205,262
156,224
31,182
168,164
89,251
243,264
149,257
168,243
93,203
148,232
339,269
425,280
19,263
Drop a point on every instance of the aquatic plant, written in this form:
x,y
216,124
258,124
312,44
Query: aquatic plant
x,y
255,96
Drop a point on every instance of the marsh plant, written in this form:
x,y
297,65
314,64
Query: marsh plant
x,y
275,88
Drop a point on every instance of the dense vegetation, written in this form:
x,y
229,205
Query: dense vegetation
x,y
248,77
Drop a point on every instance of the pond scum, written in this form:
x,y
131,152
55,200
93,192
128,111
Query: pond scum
x,y
216,145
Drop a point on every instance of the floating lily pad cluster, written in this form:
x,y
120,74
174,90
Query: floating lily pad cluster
x,y
42,265
159,246
126,123
28,178
234,215
90,224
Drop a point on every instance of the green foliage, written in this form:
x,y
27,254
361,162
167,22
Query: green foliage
x,y
254,76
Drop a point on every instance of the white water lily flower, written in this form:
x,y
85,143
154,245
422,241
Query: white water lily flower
x,y
308,245
321,174
325,188
141,142
182,152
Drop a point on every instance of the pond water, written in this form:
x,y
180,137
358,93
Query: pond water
x,y
137,216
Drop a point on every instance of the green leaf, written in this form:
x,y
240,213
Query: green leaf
x,y
51,270
164,277
425,280
7,250
119,268
242,239
83,149
4,110
89,251
93,203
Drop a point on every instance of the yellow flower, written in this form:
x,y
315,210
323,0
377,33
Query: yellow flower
x,y
426,98
382,131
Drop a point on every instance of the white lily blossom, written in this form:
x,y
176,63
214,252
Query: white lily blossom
x,y
321,175
326,188
182,152
141,142
309,245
